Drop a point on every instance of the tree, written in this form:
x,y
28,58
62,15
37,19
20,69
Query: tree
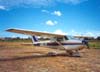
x,y
98,38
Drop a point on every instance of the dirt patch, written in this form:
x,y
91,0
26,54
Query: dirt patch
x,y
16,57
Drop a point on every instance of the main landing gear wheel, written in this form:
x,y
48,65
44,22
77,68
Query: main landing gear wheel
x,y
73,53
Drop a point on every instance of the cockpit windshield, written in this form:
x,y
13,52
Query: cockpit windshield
x,y
71,38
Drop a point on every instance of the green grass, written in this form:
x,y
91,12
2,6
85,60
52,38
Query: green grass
x,y
94,44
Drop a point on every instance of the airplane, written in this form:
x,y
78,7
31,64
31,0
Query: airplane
x,y
55,41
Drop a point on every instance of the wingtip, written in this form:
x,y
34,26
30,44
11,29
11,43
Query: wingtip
x,y
9,29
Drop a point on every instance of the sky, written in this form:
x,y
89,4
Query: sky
x,y
70,17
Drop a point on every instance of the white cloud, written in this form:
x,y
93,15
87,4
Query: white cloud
x,y
2,8
57,13
73,33
93,33
78,33
36,3
89,34
45,11
51,23
59,31
74,2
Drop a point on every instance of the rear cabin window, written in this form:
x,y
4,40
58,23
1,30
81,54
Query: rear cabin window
x,y
62,38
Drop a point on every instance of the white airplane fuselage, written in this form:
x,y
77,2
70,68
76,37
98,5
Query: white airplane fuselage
x,y
63,45
57,41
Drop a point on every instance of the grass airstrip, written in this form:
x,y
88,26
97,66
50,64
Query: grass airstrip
x,y
18,56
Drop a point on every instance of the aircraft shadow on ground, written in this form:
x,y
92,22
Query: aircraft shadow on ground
x,y
33,56
50,54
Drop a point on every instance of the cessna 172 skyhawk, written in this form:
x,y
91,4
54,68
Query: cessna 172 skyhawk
x,y
56,41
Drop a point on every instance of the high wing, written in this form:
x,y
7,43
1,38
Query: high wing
x,y
34,33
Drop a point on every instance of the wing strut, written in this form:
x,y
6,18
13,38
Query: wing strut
x,y
60,45
69,52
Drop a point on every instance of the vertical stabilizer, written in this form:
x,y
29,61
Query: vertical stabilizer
x,y
34,39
